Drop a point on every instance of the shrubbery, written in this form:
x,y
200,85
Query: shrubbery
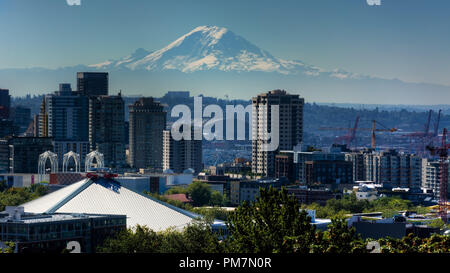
x,y
18,196
349,204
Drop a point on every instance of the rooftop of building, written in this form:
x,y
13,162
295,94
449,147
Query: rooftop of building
x,y
179,197
32,218
107,196
277,92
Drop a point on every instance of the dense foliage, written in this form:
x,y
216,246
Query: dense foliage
x,y
212,212
410,244
195,238
349,204
8,247
270,224
17,196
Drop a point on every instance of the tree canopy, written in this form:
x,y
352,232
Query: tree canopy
x,y
270,224
17,196
200,193
349,204
194,238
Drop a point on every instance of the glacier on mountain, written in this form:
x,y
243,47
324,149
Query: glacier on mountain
x,y
212,48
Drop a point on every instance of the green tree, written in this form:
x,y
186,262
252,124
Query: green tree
x,y
200,193
217,199
341,239
18,196
437,223
176,190
10,247
390,203
38,190
212,213
389,213
410,244
141,239
199,238
273,223
422,210
3,185
196,237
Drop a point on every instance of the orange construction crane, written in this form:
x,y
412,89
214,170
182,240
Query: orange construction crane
x,y
391,130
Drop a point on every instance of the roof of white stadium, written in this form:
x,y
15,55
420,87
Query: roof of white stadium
x,y
104,196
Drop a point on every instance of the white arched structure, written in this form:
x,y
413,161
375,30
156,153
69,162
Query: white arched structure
x,y
43,159
90,157
66,159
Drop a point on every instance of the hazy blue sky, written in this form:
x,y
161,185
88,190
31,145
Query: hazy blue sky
x,y
405,39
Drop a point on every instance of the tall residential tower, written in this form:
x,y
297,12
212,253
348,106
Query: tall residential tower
x,y
92,83
106,133
290,123
64,118
180,155
147,121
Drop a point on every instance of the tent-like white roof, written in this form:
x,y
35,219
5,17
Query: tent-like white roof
x,y
103,196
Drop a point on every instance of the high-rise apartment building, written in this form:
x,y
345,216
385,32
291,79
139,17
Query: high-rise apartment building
x,y
25,151
147,120
7,128
106,133
290,123
327,166
5,103
65,117
393,168
358,159
21,117
180,155
431,177
92,83
4,156
41,121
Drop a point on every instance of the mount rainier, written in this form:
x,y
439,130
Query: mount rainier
x,y
215,61
212,48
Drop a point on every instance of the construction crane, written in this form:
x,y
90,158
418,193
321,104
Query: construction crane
x,y
352,131
436,124
373,140
425,131
442,152
425,137
349,137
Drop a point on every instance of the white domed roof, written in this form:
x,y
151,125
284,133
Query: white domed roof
x,y
167,171
189,171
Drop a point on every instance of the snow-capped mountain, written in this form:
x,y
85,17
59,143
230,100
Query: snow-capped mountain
x,y
212,48
123,62
215,61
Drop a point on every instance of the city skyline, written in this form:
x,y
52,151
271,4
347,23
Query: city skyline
x,y
225,127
